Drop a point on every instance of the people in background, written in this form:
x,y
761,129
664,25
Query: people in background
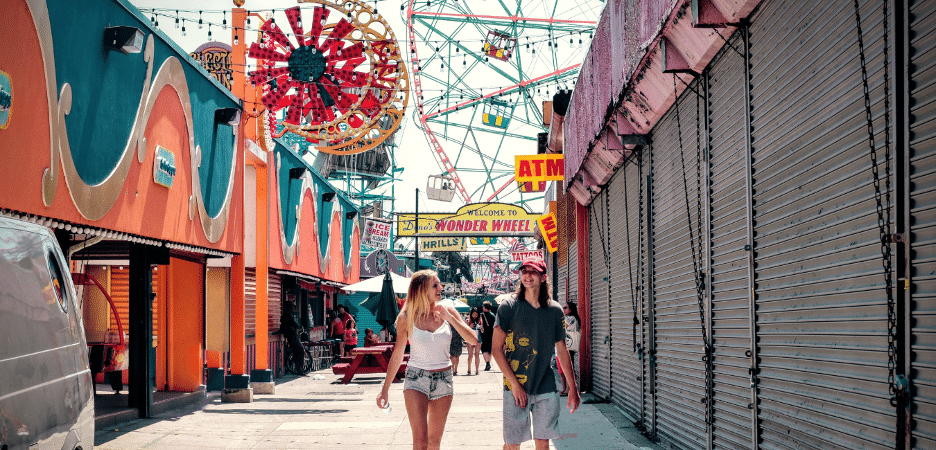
x,y
370,338
573,332
290,329
487,333
474,351
456,346
350,337
427,390
337,332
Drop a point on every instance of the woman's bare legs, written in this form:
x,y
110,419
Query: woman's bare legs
x,y
427,418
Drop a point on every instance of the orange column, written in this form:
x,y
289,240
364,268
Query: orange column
x,y
184,321
262,335
238,327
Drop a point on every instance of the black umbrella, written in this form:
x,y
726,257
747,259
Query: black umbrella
x,y
383,305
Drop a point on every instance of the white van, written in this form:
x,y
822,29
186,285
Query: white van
x,y
46,392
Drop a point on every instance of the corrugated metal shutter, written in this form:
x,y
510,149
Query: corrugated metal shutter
x,y
821,318
923,222
250,301
574,274
678,332
730,283
274,301
625,190
600,312
120,294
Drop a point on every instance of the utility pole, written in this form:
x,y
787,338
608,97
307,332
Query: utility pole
x,y
416,234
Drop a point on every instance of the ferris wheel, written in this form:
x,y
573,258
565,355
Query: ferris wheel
x,y
481,72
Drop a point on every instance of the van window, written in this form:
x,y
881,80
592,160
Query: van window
x,y
57,284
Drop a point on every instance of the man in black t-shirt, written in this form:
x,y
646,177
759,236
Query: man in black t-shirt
x,y
528,331
487,333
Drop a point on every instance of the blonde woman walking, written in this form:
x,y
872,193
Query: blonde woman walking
x,y
427,389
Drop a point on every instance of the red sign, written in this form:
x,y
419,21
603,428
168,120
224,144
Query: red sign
x,y
550,231
523,256
538,167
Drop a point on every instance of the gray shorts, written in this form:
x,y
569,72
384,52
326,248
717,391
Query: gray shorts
x,y
544,409
434,384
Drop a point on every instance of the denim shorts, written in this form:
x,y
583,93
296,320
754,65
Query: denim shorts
x,y
434,384
544,409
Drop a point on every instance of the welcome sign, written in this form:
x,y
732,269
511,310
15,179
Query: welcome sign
x,y
476,219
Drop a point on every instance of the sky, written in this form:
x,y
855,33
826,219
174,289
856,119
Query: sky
x,y
445,66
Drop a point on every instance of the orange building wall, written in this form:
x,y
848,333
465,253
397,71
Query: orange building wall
x,y
184,324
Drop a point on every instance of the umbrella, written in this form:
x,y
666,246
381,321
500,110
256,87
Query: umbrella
x,y
459,305
375,284
383,305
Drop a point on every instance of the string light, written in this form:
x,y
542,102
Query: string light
x,y
209,31
177,18
224,21
183,27
199,20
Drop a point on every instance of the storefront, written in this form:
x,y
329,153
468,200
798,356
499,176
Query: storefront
x,y
752,307
132,154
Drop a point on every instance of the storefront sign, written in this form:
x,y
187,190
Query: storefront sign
x,y
215,57
532,186
445,244
550,231
524,255
538,167
476,219
376,233
164,167
483,240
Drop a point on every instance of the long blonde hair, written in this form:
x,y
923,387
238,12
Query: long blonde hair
x,y
417,303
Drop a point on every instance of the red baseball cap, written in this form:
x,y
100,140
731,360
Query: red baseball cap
x,y
534,263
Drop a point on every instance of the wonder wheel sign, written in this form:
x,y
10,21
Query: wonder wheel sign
x,y
338,76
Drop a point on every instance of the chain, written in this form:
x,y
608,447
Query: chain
x,y
897,384
697,260
627,254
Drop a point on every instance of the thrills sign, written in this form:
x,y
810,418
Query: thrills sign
x,y
446,244
476,219
536,168
550,231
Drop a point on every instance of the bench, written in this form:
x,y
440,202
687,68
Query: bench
x,y
342,369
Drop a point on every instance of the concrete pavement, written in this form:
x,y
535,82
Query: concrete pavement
x,y
309,413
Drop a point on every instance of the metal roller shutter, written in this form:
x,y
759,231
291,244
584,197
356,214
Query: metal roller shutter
x,y
250,301
821,318
730,283
574,273
626,234
274,301
923,238
679,374
600,311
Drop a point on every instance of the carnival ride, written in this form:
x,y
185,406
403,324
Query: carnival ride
x,y
480,71
340,91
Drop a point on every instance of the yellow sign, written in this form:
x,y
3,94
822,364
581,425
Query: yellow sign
x,y
538,167
550,231
476,219
445,244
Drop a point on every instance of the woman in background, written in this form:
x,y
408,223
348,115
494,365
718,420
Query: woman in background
x,y
427,389
474,351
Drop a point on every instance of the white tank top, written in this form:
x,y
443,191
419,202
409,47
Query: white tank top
x,y
429,350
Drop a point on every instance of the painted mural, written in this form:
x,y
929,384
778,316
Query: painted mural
x,y
307,209
89,132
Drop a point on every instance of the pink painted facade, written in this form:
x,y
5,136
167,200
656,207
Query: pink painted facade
x,y
622,88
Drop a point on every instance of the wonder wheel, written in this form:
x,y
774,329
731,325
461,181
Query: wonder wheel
x,y
481,70
340,78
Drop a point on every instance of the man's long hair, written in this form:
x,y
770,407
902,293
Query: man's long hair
x,y
417,300
544,292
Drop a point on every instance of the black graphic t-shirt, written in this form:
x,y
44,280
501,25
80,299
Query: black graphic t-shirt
x,y
532,334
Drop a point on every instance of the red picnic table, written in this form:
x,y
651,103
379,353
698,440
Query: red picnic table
x,y
373,359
